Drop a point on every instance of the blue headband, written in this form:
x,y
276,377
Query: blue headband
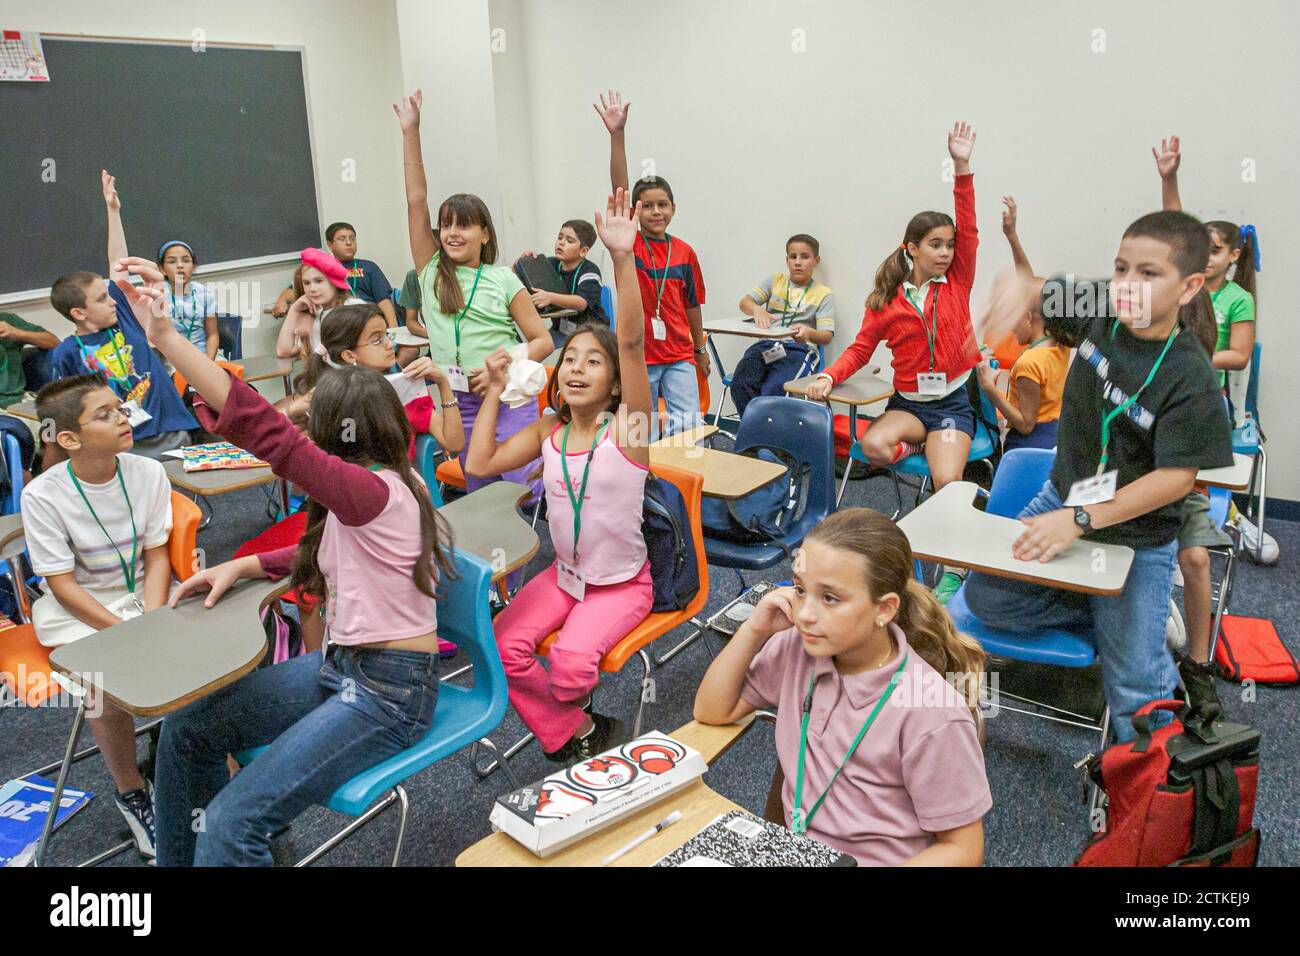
x,y
173,242
1248,234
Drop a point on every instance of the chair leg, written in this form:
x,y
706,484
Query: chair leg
x,y
391,798
898,493
482,771
60,782
1263,498
844,482
1221,605
645,690
694,636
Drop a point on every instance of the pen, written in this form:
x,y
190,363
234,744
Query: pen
x,y
665,822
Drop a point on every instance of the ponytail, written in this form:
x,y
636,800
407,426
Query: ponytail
x,y
923,620
1198,318
1246,239
898,264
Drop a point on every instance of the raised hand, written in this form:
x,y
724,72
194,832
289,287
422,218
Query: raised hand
x,y
109,183
408,110
774,613
1013,294
612,111
1009,215
1167,157
961,141
149,302
495,369
618,228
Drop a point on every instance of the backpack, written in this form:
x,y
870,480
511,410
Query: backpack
x,y
764,514
666,527
283,635
1249,649
1183,795
977,400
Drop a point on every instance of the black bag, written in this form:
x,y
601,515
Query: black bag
x,y
667,529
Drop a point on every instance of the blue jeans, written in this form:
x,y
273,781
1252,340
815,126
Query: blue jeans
x,y
1129,628
325,721
676,383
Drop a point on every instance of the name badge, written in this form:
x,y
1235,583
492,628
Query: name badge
x,y
457,378
1093,491
135,415
774,354
660,328
571,580
932,383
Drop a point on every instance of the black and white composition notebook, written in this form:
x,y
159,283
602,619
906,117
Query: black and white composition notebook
x,y
739,839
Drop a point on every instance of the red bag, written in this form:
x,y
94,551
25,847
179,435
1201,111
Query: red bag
x,y
1183,795
840,428
1249,649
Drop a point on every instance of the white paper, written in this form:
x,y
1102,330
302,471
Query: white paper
x,y
408,390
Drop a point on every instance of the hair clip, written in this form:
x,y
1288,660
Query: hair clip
x,y
1248,233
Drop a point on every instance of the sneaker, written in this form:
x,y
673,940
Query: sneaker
x,y
948,585
136,807
1250,533
606,733
1175,630
1178,577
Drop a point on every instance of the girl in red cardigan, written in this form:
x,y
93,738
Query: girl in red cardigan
x,y
921,309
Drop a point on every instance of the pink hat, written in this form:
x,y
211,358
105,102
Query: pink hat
x,y
327,264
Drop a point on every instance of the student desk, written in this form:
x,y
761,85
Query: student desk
x,y
699,806
157,663
748,329
24,409
1236,477
262,367
487,524
688,438
222,481
725,475
946,527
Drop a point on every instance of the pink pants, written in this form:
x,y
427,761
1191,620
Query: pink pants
x,y
550,702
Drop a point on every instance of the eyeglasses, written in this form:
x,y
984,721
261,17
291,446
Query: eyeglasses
x,y
380,339
107,416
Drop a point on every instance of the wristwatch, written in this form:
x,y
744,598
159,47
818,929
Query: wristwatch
x,y
701,350
1082,519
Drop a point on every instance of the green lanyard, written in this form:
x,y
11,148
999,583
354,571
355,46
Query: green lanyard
x,y
190,320
663,280
790,311
128,572
124,380
931,333
800,822
573,283
1045,338
457,320
352,280
1116,412
568,485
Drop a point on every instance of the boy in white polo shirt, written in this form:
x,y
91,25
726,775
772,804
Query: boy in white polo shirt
x,y
97,529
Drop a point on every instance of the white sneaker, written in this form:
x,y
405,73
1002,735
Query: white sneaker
x,y
1175,629
1250,542
1178,577
136,808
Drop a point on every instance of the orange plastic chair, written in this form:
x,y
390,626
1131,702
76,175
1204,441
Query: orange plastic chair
x,y
234,368
449,472
22,654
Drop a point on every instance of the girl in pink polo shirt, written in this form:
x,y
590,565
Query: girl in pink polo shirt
x,y
595,461
874,692
371,555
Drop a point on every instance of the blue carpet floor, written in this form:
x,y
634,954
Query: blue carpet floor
x,y
1038,816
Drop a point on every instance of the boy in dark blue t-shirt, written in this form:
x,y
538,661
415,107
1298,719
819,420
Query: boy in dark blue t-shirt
x,y
579,276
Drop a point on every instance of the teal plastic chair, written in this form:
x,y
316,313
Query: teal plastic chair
x,y
462,716
426,463
1249,440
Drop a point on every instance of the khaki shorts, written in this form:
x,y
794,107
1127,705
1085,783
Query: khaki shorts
x,y
56,625
1197,529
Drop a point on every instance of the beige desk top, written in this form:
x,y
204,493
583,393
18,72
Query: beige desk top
x,y
24,409
725,475
1235,477
698,804
487,524
404,336
748,329
864,388
690,436
219,481
261,367
947,527
158,662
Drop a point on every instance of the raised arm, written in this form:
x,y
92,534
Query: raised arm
x,y
1013,238
116,234
613,113
618,230
418,223
1168,158
961,142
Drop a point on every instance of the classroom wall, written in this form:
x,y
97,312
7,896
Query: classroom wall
x,y
353,74
771,118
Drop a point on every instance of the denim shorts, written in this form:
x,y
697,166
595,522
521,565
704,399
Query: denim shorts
x,y
951,411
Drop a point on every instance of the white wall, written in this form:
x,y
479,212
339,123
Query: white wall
x,y
353,75
846,140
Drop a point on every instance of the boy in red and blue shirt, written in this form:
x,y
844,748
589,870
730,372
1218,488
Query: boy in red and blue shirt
x,y
672,285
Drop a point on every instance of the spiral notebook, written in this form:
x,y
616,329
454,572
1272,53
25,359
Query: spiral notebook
x,y
739,839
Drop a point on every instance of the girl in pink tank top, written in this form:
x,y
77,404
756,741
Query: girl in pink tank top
x,y
595,457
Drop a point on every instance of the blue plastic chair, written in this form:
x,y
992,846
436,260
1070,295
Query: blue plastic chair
x,y
803,431
426,463
1019,478
982,446
607,306
13,465
230,331
463,715
1243,445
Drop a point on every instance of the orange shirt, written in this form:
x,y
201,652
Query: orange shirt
x,y
1047,365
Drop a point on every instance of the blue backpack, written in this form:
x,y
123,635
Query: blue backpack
x,y
763,514
666,526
